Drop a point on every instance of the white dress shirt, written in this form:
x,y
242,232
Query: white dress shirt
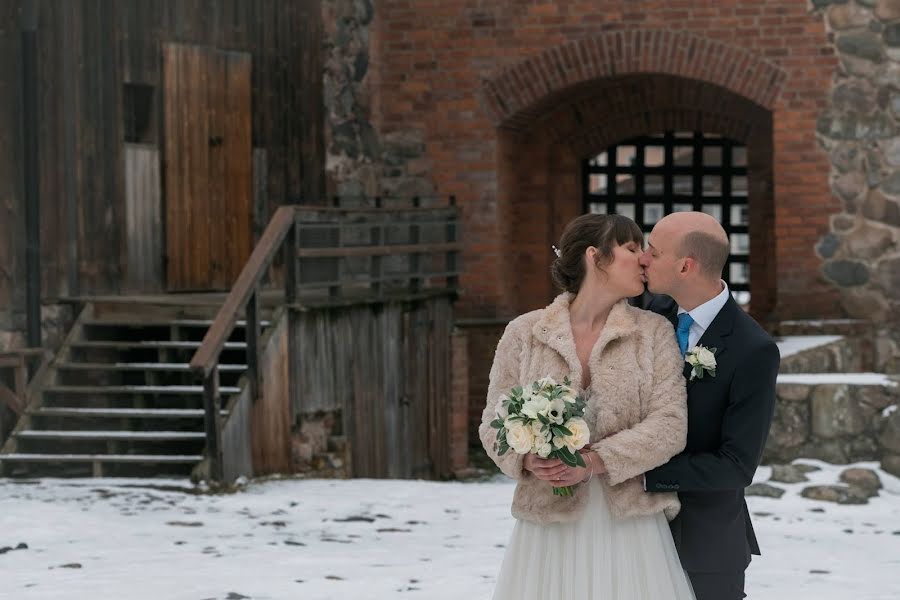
x,y
704,314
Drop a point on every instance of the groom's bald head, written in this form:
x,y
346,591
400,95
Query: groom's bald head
x,y
699,236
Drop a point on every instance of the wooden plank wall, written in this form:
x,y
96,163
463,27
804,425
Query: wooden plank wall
x,y
386,368
143,232
88,50
12,210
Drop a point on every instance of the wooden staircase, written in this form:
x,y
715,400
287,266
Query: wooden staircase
x,y
119,399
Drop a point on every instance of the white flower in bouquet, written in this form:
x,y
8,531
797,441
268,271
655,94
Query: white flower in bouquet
x,y
568,394
542,434
543,418
537,405
544,450
546,381
580,434
557,411
519,436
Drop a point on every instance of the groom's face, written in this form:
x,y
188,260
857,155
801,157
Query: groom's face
x,y
659,261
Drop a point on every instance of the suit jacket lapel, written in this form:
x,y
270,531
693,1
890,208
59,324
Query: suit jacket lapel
x,y
716,335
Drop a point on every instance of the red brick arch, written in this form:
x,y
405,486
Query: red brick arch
x,y
519,94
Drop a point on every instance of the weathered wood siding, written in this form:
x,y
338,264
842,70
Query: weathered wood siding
x,y
143,218
89,53
270,415
386,369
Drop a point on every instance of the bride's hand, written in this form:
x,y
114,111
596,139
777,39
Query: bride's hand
x,y
543,468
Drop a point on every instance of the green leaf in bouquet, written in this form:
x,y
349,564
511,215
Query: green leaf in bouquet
x,y
561,430
544,420
565,455
497,423
566,381
579,459
517,391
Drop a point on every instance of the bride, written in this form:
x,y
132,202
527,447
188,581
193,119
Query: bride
x,y
610,540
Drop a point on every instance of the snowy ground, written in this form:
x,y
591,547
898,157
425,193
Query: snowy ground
x,y
365,539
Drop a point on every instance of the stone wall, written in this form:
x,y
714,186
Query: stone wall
x,y
837,423
363,158
860,130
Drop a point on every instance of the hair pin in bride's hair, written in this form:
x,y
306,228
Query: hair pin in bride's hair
x,y
557,251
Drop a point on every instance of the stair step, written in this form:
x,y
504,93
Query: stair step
x,y
139,436
106,458
137,389
160,344
174,322
149,413
141,366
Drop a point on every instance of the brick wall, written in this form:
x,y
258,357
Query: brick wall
x,y
489,86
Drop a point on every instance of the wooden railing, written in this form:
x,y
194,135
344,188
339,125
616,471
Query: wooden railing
x,y
316,244
16,398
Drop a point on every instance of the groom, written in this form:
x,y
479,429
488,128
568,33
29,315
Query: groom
x,y
729,409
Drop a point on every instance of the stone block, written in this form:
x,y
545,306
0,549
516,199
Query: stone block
x,y
889,434
788,474
847,16
840,494
764,489
845,156
835,412
888,276
792,392
849,187
887,10
868,241
865,44
846,273
864,479
790,426
891,464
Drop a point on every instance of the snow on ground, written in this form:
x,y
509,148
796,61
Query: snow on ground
x,y
374,539
838,378
795,344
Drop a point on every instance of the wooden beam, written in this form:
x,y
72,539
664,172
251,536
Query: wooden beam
x,y
251,275
379,250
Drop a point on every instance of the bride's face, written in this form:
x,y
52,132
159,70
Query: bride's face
x,y
624,273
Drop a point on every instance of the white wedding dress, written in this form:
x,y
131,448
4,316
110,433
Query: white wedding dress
x,y
597,557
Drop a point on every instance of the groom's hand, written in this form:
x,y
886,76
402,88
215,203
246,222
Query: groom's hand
x,y
545,469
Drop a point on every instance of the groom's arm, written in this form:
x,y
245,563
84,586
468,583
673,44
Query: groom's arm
x,y
745,427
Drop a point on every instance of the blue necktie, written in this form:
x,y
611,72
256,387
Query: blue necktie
x,y
683,331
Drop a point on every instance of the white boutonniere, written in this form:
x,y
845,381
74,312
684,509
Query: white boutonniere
x,y
702,361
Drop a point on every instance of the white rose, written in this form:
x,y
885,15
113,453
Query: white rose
x,y
556,411
519,437
559,441
706,358
545,381
568,394
537,404
580,434
544,450
540,436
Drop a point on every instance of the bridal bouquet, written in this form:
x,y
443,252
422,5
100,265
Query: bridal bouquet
x,y
544,418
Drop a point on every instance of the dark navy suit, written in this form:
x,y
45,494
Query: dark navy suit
x,y
728,421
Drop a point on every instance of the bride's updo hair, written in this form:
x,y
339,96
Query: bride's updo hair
x,y
604,232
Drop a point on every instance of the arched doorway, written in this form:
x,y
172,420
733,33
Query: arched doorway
x,y
570,102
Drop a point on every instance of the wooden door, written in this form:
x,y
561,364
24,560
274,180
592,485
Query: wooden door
x,y
208,188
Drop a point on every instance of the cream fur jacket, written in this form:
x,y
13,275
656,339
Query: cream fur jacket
x,y
636,408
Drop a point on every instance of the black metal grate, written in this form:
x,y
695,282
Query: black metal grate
x,y
648,177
